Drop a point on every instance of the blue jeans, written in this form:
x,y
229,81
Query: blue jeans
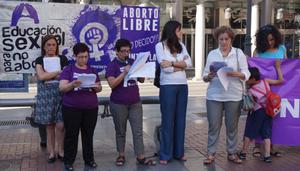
x,y
173,104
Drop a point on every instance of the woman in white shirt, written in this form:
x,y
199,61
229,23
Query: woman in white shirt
x,y
173,59
218,99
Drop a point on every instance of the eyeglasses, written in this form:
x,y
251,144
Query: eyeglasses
x,y
125,51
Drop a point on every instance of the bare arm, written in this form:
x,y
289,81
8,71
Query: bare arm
x,y
279,73
43,75
65,85
97,88
115,81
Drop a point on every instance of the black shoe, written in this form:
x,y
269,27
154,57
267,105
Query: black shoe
x,y
59,157
91,164
242,155
267,159
69,167
43,144
51,159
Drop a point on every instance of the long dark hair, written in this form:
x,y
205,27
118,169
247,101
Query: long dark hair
x,y
169,34
44,40
262,44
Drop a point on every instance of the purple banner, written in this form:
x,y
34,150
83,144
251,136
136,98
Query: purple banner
x,y
286,126
140,25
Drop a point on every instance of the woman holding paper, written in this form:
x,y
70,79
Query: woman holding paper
x,y
173,59
48,105
79,106
220,98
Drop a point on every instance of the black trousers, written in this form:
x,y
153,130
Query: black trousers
x,y
74,120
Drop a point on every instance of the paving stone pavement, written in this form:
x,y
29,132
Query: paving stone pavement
x,y
20,150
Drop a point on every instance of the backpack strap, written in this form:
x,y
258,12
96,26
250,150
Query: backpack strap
x,y
265,83
257,90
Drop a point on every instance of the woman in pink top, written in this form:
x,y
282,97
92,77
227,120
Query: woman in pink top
x,y
258,122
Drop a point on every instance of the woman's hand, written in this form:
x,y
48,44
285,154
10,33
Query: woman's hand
x,y
209,77
165,64
76,83
126,69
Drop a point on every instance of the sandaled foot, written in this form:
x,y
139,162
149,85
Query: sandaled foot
x,y
256,152
234,158
209,160
242,155
267,159
120,161
276,154
144,161
69,167
91,164
183,159
163,162
60,157
51,159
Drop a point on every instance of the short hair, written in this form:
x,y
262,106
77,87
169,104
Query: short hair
x,y
262,44
45,40
80,48
224,29
254,73
122,43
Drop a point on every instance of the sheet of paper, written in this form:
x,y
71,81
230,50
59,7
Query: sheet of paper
x,y
138,68
87,80
51,64
222,75
148,71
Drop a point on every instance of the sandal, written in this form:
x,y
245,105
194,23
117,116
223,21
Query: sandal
x,y
91,164
163,162
242,155
182,159
267,159
51,159
69,167
234,158
256,152
120,161
144,161
276,154
209,160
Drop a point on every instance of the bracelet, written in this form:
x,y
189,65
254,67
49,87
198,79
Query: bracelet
x,y
172,63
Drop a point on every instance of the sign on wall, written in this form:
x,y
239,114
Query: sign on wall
x,y
23,25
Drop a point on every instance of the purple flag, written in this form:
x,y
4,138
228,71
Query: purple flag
x,y
286,126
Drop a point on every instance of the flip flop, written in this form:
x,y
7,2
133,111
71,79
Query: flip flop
x,y
234,158
120,161
209,160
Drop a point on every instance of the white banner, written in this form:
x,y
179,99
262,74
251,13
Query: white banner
x,y
24,24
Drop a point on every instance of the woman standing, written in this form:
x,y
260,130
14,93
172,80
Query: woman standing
x,y
218,99
79,107
269,45
48,105
173,59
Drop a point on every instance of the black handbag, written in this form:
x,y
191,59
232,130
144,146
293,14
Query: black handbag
x,y
31,119
157,76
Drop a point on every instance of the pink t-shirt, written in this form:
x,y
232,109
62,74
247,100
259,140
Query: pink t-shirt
x,y
259,98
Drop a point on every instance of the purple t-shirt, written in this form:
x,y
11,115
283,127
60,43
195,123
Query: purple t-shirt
x,y
120,94
79,98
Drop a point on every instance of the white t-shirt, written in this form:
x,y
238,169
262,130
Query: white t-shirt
x,y
167,75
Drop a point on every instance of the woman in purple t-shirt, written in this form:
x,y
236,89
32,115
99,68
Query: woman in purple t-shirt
x,y
125,103
79,107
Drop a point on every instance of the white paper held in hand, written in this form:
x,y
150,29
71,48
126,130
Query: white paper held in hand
x,y
87,80
222,75
51,64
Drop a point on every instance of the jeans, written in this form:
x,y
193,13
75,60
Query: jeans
x,y
173,105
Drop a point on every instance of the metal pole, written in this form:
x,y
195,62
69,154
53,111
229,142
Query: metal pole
x,y
247,43
267,11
